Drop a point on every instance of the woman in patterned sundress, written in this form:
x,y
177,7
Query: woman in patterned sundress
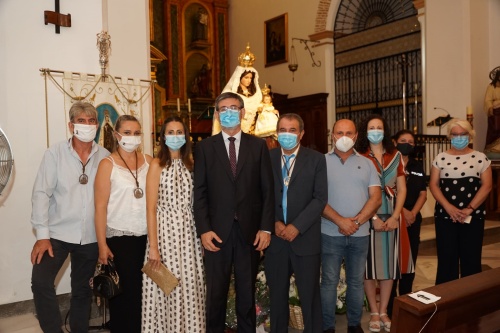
x,y
385,260
460,182
172,238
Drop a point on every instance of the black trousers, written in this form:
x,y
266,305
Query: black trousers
x,y
218,266
459,248
125,309
83,261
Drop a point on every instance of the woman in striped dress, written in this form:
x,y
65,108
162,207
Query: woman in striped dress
x,y
385,260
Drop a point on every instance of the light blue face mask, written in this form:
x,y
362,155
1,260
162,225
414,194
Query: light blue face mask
x,y
287,140
229,118
175,142
375,136
460,142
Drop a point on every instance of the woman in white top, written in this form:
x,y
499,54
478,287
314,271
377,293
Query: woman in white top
x,y
120,220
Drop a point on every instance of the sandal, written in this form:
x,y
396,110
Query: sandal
x,y
374,325
385,324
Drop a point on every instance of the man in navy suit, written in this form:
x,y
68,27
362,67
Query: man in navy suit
x,y
301,193
234,212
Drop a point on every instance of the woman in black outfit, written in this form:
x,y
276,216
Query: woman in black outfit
x,y
416,196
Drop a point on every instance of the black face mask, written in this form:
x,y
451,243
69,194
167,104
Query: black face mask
x,y
405,148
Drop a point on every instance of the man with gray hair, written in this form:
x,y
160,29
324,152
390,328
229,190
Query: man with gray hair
x,y
63,219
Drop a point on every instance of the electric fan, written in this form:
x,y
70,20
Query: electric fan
x,y
6,161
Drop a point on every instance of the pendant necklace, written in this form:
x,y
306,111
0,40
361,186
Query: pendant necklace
x,y
286,180
138,193
84,179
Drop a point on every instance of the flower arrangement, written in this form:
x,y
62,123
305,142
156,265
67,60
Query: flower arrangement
x,y
262,301
341,306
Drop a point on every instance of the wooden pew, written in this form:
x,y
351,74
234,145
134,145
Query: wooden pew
x,y
470,304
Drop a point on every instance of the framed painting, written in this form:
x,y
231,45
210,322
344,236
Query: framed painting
x,y
276,40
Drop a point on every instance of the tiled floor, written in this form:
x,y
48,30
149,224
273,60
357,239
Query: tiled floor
x,y
425,276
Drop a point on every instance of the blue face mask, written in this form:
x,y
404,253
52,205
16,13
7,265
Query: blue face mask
x,y
229,118
375,136
287,140
175,142
460,142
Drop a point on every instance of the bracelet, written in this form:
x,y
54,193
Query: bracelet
x,y
470,207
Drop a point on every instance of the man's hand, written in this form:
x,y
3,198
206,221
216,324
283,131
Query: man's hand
x,y
39,249
279,226
289,233
262,240
207,241
347,226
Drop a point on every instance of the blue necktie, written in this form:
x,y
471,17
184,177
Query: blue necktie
x,y
285,171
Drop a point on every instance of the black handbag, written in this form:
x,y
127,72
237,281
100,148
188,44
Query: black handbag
x,y
106,282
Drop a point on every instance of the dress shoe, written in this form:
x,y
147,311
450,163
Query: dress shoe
x,y
330,330
354,329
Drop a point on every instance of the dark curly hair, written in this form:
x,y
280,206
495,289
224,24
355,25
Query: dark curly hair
x,y
363,144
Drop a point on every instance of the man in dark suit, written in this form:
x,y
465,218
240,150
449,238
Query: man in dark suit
x,y
234,212
301,193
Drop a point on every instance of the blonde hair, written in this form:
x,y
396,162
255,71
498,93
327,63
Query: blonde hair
x,y
462,123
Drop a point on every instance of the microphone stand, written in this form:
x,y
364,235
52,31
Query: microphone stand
x,y
443,121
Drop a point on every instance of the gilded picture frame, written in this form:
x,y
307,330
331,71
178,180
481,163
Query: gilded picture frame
x,y
276,40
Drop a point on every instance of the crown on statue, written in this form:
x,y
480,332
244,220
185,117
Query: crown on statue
x,y
265,90
246,59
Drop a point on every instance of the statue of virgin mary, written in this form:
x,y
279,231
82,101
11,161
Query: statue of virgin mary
x,y
244,82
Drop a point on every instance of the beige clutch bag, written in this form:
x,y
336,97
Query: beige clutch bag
x,y
163,277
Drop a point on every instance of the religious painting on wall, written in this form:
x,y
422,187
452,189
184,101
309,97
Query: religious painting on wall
x,y
106,117
276,40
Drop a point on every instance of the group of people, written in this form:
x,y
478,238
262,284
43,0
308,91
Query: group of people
x,y
214,216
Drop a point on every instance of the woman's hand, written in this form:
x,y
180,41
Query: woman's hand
x,y
154,258
392,223
409,217
105,254
378,224
456,215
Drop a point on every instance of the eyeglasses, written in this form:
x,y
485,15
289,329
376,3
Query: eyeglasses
x,y
223,109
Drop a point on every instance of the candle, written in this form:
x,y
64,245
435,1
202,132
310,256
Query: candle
x,y
189,105
469,110
178,105
105,15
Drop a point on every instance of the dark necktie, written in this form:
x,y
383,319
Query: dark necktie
x,y
232,155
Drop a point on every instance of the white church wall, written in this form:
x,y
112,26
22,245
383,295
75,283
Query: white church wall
x,y
27,46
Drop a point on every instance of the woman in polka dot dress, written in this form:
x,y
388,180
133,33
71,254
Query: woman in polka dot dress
x,y
460,182
172,238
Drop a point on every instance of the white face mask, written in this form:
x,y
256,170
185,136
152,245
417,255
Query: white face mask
x,y
84,133
344,143
129,143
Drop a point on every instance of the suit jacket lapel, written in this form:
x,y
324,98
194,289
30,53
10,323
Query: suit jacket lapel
x,y
242,154
276,163
300,161
220,150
